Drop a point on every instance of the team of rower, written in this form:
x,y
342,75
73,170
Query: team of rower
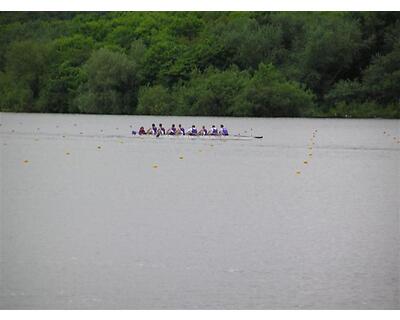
x,y
192,131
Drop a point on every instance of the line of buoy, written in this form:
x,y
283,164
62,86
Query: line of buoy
x,y
310,149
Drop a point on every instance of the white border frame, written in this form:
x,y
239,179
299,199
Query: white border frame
x,y
199,5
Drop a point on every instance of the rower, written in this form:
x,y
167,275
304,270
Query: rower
x,y
192,131
181,130
213,131
152,130
203,131
142,131
161,129
172,131
223,131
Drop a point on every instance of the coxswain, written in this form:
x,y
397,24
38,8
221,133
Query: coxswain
x,y
142,131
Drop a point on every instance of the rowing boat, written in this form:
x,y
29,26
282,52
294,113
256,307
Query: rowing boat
x,y
201,137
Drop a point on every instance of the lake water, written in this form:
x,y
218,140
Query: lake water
x,y
92,218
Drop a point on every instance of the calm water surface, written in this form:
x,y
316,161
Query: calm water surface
x,y
93,218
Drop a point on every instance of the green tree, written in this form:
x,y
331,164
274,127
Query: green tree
x,y
111,85
246,43
155,100
330,49
269,94
211,93
382,77
61,89
26,72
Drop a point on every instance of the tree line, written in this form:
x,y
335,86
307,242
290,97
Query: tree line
x,y
262,64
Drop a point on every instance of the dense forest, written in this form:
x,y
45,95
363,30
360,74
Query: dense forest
x,y
262,64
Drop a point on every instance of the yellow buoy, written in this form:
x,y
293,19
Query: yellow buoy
x,y
305,162
98,147
155,166
26,161
310,154
181,157
298,172
67,153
